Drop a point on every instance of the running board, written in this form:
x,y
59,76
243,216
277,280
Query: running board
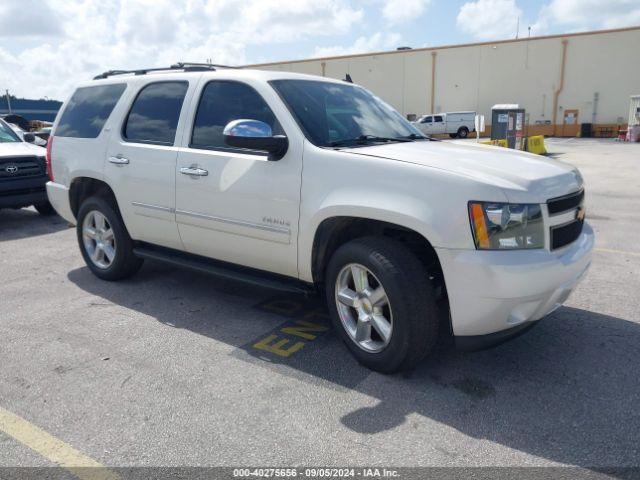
x,y
224,270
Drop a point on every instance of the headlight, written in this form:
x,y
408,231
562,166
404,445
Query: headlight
x,y
500,226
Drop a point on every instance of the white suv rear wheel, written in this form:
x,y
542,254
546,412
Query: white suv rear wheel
x,y
104,242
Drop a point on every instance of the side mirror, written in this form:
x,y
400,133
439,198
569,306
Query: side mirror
x,y
29,137
255,135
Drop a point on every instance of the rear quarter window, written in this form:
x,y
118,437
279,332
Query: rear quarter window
x,y
88,110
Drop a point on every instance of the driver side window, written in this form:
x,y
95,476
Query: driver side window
x,y
223,101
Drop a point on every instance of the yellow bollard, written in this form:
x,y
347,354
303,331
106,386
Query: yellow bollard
x,y
495,143
535,144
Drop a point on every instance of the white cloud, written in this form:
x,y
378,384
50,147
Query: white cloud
x,y
588,14
110,34
28,18
376,42
490,19
400,11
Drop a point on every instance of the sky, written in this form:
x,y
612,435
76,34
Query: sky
x,y
47,46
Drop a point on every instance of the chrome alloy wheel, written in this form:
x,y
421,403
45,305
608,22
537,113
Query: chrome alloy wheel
x,y
98,238
364,308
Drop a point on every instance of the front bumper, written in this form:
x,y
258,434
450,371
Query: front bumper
x,y
22,192
499,291
59,197
471,343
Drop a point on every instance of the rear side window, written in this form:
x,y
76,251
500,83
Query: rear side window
x,y
223,101
155,112
88,110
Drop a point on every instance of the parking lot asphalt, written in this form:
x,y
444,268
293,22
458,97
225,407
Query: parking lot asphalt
x,y
173,367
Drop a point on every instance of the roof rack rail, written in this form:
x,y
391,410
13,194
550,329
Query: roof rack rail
x,y
184,66
205,66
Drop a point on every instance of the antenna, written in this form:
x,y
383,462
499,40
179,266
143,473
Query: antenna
x,y
518,26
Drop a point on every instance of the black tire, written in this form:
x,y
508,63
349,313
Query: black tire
x,y
411,297
124,263
45,208
463,132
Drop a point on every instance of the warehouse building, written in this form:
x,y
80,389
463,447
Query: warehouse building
x,y
562,81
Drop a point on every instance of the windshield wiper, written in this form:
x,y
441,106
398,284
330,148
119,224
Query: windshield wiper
x,y
413,136
365,139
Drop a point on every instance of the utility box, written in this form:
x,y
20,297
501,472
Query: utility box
x,y
507,123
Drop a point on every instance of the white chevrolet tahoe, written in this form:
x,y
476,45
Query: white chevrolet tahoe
x,y
300,182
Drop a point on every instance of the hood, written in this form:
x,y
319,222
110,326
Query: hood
x,y
524,177
20,149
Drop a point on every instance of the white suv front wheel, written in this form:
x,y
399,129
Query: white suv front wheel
x,y
364,308
382,303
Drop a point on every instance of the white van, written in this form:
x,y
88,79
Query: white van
x,y
456,124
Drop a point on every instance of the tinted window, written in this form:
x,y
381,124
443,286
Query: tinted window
x,y
222,102
88,110
155,112
330,112
437,119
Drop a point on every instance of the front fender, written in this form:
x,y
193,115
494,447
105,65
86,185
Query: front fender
x,y
394,208
433,202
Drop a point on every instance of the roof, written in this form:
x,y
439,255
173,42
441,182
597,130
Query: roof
x,y
241,73
443,47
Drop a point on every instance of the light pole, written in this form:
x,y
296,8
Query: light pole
x,y
8,101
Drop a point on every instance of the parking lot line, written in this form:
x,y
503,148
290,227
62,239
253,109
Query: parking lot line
x,y
618,252
53,449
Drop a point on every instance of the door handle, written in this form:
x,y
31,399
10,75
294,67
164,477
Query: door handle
x,y
194,171
119,160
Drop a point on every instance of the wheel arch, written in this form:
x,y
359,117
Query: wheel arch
x,y
334,231
390,209
82,188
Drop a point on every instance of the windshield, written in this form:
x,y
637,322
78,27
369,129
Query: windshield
x,y
332,115
7,135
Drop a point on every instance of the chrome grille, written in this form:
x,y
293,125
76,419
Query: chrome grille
x,y
566,214
565,203
565,234
21,167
